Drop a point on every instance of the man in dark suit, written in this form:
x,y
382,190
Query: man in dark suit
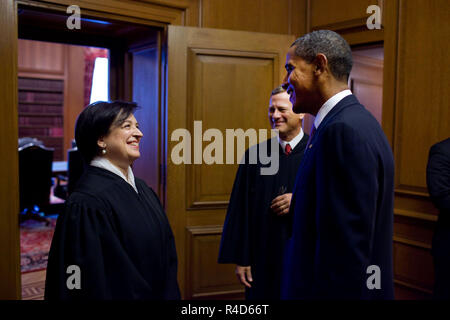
x,y
438,181
341,241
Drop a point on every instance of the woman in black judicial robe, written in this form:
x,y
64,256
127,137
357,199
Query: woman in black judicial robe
x,y
113,240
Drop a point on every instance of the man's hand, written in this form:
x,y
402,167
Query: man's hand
x,y
244,275
280,205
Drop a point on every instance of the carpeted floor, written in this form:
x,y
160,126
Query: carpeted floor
x,y
35,240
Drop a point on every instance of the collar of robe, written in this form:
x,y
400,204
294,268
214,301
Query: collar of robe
x,y
103,163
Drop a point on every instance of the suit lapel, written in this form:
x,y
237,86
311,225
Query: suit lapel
x,y
339,107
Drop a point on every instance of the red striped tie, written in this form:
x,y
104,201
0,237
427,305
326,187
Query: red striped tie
x,y
288,149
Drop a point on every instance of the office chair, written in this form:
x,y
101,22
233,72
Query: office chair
x,y
75,168
35,180
27,140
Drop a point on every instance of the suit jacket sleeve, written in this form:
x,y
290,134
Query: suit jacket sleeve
x,y
438,176
347,186
171,289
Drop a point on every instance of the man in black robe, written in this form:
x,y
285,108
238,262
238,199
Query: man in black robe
x,y
257,222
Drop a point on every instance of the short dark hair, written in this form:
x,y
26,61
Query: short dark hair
x,y
332,45
277,90
95,122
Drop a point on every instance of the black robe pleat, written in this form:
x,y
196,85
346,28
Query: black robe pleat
x,y
253,235
120,240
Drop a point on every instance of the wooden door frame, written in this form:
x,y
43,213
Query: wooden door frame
x,y
9,189
10,275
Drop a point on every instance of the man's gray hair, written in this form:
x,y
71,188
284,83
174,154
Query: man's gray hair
x,y
277,90
332,45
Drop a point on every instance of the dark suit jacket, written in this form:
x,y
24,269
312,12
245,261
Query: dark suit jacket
x,y
438,181
342,210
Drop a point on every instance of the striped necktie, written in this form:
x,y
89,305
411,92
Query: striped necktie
x,y
288,149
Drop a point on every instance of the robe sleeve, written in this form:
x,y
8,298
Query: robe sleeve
x,y
85,237
171,289
235,242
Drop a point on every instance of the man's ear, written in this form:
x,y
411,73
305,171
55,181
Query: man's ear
x,y
301,116
321,63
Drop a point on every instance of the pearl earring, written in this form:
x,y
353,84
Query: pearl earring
x,y
104,151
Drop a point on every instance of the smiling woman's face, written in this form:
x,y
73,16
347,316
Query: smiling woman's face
x,y
122,142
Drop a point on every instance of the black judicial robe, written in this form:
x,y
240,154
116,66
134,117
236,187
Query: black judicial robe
x,y
253,235
120,240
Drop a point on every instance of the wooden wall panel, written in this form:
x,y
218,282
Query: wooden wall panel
x,y
299,17
423,112
212,103
413,268
349,13
390,69
140,11
347,17
408,292
73,92
41,57
204,282
413,230
415,116
190,9
282,16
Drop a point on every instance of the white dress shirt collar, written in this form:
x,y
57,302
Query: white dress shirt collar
x,y
328,105
101,162
293,142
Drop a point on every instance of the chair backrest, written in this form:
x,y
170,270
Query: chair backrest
x,y
27,140
75,168
35,175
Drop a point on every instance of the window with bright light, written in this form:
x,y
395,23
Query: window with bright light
x,y
99,91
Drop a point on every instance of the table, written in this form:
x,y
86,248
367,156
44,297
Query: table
x,y
59,167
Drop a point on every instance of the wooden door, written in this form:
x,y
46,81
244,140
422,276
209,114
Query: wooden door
x,y
366,79
223,79
142,69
